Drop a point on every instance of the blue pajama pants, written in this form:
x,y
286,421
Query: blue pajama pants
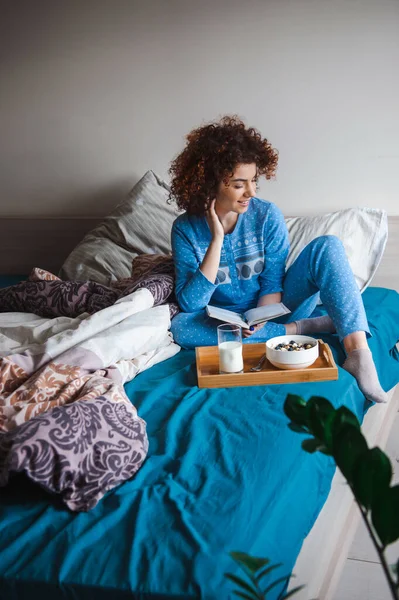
x,y
320,271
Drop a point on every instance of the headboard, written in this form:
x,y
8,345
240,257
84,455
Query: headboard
x,y
46,242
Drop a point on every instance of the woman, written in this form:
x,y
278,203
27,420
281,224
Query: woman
x,y
230,250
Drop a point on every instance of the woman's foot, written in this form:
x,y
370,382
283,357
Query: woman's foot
x,y
360,364
316,325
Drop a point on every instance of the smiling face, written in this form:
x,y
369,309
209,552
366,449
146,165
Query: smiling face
x,y
235,192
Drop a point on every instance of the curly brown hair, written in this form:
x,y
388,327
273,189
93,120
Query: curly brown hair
x,y
211,155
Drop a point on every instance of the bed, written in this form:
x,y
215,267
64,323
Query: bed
x,y
223,473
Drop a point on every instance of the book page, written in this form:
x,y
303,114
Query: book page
x,y
227,316
265,313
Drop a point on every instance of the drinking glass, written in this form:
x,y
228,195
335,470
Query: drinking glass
x,y
230,349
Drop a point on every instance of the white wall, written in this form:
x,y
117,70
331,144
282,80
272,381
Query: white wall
x,y
95,92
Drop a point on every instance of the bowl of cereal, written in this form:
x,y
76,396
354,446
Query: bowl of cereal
x,y
292,351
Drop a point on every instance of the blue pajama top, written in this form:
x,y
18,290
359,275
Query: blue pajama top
x,y
252,261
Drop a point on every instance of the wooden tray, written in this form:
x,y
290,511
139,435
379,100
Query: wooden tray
x,y
207,357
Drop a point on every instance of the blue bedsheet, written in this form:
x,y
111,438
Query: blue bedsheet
x,y
6,280
223,473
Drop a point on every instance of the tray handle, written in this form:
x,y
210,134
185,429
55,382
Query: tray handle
x,y
327,353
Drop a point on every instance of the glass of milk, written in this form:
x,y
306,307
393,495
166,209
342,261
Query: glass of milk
x,y
230,349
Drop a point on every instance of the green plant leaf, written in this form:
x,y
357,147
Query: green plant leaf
x,y
372,475
266,572
277,582
244,584
298,428
251,563
318,410
395,569
385,515
292,592
325,450
242,595
343,417
295,409
328,429
348,445
311,445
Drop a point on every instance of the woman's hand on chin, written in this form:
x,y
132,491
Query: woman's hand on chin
x,y
214,222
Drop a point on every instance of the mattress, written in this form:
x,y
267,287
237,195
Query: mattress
x,y
224,473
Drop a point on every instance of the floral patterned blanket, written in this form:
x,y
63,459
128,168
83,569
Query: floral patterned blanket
x,y
65,419
46,295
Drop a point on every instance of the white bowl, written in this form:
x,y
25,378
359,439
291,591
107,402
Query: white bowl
x,y
292,359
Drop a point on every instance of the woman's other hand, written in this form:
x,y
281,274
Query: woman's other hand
x,y
248,332
214,223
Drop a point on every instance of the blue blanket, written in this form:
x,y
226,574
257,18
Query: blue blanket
x,y
223,473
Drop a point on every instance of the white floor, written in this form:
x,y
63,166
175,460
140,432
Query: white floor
x,y
363,577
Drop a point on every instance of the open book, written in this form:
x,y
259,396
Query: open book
x,y
254,316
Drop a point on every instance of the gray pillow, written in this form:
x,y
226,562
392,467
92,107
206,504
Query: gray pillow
x,y
139,225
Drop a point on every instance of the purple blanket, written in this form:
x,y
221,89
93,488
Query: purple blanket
x,y
46,295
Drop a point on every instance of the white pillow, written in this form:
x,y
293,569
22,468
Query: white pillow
x,y
363,232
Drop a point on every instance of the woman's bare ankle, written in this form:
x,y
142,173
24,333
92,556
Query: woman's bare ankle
x,y
355,341
290,328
